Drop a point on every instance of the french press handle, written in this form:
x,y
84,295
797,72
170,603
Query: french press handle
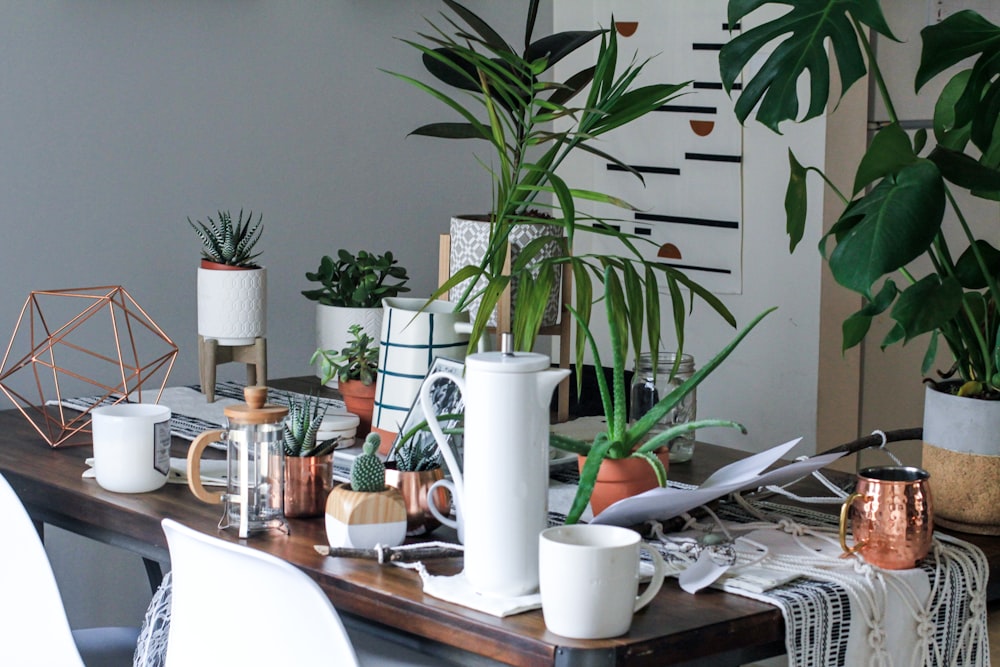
x,y
194,466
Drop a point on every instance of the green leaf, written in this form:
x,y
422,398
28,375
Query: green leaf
x,y
796,202
890,151
588,476
931,355
889,227
962,35
927,305
964,171
856,327
968,271
796,42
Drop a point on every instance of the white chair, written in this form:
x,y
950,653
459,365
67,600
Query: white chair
x,y
231,604
34,629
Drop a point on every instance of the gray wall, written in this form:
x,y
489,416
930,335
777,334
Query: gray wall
x,y
121,118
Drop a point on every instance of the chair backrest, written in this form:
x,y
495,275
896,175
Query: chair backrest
x,y
235,605
34,629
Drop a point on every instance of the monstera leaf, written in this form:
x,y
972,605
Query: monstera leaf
x,y
802,32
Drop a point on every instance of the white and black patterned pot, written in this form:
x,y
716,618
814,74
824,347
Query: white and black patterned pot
x,y
232,304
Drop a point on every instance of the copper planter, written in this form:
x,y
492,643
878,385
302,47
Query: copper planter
x,y
413,486
308,481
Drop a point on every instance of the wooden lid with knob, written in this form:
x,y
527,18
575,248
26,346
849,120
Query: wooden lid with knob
x,y
255,410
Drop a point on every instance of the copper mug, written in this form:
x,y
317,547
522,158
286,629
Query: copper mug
x,y
893,517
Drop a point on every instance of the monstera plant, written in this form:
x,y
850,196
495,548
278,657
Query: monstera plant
x,y
895,210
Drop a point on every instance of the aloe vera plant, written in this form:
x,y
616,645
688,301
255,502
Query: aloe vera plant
x,y
620,440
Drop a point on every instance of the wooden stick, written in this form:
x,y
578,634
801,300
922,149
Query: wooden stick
x,y
391,554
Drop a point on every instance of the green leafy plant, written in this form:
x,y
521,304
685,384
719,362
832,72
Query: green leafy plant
x,y
360,281
415,454
357,361
367,470
224,242
301,427
902,192
530,125
620,440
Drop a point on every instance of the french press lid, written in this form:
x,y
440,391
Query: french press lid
x,y
255,411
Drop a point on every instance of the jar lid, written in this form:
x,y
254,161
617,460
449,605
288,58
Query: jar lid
x,y
255,411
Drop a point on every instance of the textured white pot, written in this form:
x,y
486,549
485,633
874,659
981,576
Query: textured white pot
x,y
962,454
232,305
332,323
469,240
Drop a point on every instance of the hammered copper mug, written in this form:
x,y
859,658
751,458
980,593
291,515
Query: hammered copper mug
x,y
892,518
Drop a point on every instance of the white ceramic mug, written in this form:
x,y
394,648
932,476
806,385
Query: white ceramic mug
x,y
589,579
131,446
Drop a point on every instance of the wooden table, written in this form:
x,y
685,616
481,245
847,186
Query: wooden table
x,y
676,628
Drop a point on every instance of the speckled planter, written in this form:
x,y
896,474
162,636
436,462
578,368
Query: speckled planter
x,y
962,454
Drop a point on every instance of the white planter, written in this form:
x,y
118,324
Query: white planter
x,y
332,323
469,241
232,305
962,454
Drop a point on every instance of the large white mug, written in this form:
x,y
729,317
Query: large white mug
x,y
131,446
589,579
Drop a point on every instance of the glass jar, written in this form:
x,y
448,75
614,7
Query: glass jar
x,y
648,389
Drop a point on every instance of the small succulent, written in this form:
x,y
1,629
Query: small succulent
x,y
226,243
357,361
357,282
368,471
413,454
301,426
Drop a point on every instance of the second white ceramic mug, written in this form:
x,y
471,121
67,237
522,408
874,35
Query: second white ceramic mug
x,y
131,446
589,579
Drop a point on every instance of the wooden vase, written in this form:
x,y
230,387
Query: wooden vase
x,y
308,480
363,519
360,400
622,478
413,486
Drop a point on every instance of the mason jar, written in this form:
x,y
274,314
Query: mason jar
x,y
647,390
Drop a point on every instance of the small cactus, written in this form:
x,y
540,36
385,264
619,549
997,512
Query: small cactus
x,y
368,471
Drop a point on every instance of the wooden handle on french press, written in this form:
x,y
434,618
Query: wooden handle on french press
x,y
194,467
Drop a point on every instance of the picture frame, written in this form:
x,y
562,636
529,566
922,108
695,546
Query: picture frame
x,y
447,400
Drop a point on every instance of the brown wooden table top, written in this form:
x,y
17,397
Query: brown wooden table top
x,y
675,628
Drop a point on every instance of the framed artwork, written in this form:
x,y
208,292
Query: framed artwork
x,y
447,401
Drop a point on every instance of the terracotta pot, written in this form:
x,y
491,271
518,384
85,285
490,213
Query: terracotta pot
x,y
622,478
361,520
962,454
360,400
388,438
413,486
308,480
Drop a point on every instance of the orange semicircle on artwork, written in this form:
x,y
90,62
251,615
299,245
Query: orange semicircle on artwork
x,y
702,128
626,28
669,251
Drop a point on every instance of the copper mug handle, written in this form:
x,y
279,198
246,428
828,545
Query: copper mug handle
x,y
845,509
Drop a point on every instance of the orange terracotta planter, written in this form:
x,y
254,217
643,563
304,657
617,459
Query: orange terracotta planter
x,y
360,400
622,478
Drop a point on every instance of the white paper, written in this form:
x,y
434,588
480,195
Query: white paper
x,y
665,503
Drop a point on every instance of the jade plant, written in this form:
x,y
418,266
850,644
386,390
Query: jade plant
x,y
302,426
360,281
621,440
902,219
229,243
357,361
367,470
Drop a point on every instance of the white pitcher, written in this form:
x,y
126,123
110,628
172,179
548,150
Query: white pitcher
x,y
501,493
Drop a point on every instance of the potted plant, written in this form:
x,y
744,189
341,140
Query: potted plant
x,y
622,443
530,126
366,512
903,217
351,289
414,466
308,462
232,288
354,367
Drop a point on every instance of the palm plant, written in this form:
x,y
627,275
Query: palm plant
x,y
530,126
224,242
621,440
896,209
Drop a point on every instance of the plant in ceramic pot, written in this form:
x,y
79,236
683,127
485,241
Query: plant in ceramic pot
x,y
366,512
354,367
308,461
414,466
232,288
622,443
530,125
351,289
903,241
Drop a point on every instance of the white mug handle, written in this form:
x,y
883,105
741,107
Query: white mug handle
x,y
450,488
466,328
653,587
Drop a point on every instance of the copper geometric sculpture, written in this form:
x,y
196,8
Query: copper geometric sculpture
x,y
82,342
